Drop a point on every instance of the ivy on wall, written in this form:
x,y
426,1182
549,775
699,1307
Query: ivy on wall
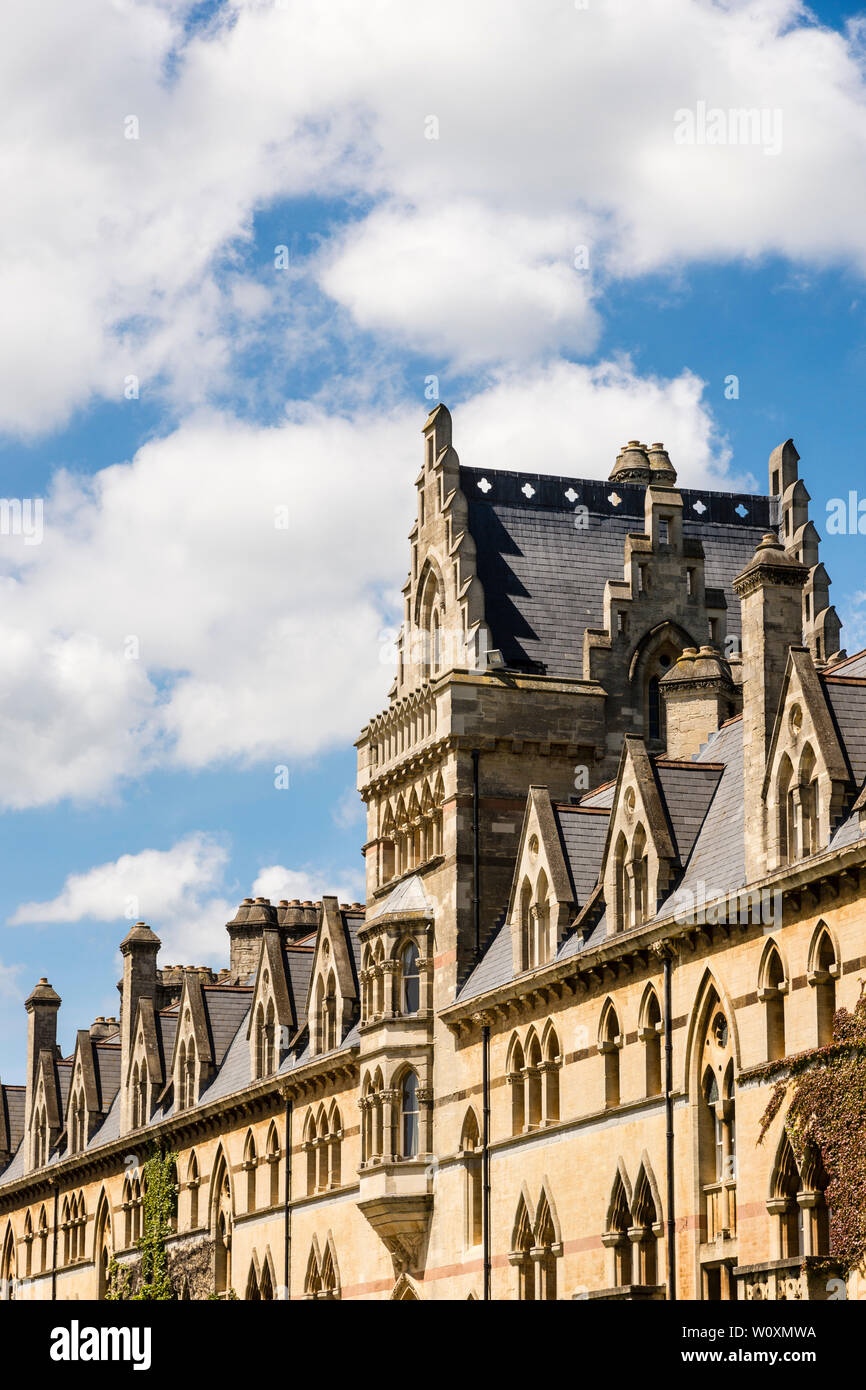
x,y
827,1113
159,1207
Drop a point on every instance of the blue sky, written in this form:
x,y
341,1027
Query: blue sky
x,y
171,642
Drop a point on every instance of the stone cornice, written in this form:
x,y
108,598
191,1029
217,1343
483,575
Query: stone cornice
x,y
649,938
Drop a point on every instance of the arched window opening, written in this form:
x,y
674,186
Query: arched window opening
x,y
521,1257
823,979
542,921
772,995
785,812
274,1167
516,1080
622,910
550,1067
192,1182
250,1166
616,1236
310,1140
645,1234
222,1232
533,1083
323,1152
526,926
410,979
654,705
330,1031
651,1035
546,1249
470,1146
409,1114
609,1046
640,879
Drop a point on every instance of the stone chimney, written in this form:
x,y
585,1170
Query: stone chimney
x,y
41,1006
770,590
245,935
139,950
632,464
699,696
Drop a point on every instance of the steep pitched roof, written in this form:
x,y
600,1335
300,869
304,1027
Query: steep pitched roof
x,y
846,695
582,833
543,579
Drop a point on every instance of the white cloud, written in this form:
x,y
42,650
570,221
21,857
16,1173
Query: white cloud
x,y
180,892
149,885
556,126
572,419
309,884
167,620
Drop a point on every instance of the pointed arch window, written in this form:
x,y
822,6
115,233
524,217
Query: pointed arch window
x,y
470,1147
521,1255
609,1045
250,1167
822,977
273,1157
772,995
192,1183
517,1080
616,1235
550,1069
410,979
651,1037
409,1115
644,1234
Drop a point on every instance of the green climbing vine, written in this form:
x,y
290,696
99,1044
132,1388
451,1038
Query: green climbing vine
x,y
159,1205
827,1113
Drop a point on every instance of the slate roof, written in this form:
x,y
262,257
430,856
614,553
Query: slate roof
x,y
852,666
706,814
717,859
544,579
299,967
687,791
12,1099
225,1006
848,703
582,834
106,1060
235,1072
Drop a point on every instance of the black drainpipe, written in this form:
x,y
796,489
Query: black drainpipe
x,y
485,1158
54,1247
287,1217
669,1135
476,887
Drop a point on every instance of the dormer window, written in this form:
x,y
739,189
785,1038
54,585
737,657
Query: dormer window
x,y
664,530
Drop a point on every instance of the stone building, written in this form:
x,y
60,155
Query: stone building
x,y
615,862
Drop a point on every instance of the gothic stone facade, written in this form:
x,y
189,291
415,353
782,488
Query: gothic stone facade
x,y
616,862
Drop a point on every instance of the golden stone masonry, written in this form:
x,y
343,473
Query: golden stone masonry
x,y
615,862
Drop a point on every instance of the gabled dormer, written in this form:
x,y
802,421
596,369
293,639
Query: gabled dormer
x,y
192,1064
807,776
542,903
640,860
272,1020
83,1110
332,1002
145,1076
47,1114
